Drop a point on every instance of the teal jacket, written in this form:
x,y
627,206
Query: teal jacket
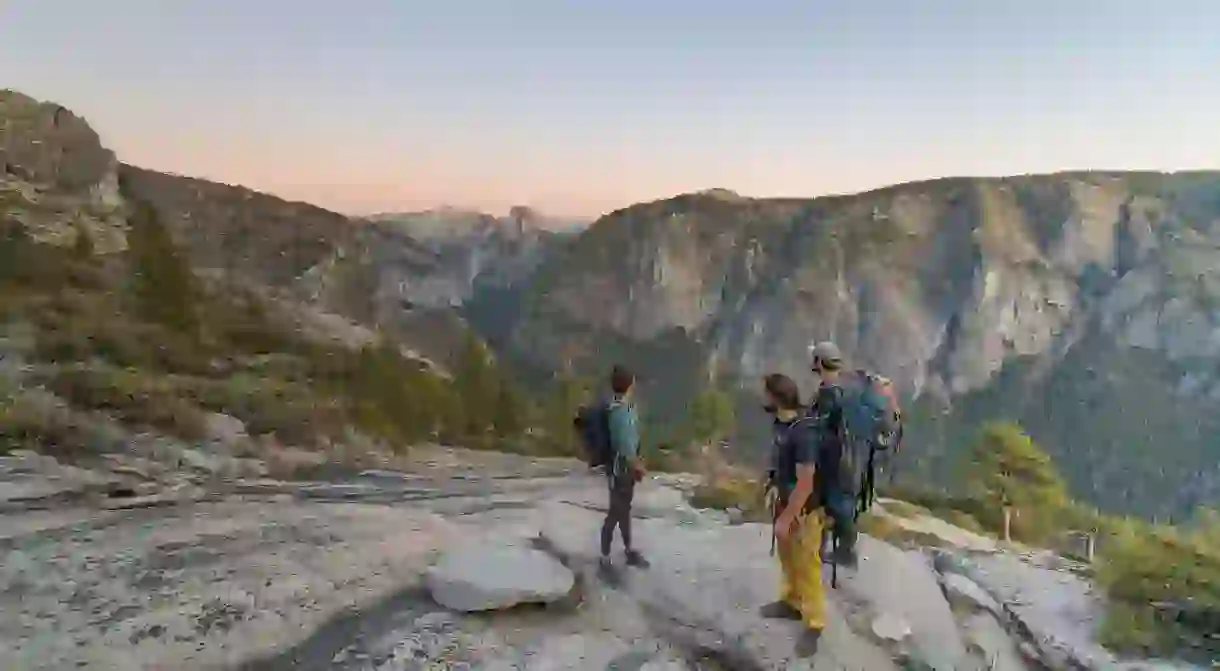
x,y
624,432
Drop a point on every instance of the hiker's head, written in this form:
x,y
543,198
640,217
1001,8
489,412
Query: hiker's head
x,y
780,393
622,381
827,361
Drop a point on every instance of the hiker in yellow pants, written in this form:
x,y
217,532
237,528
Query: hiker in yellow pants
x,y
800,559
798,522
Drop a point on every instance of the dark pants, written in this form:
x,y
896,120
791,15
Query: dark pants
x,y
618,513
841,507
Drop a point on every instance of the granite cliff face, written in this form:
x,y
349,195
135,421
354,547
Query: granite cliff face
x,y
475,251
982,297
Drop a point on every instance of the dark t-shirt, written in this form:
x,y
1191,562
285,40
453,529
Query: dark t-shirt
x,y
794,444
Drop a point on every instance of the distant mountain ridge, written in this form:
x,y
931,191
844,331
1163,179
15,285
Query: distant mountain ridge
x,y
475,250
1085,305
447,222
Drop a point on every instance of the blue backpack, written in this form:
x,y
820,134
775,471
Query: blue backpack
x,y
592,423
872,429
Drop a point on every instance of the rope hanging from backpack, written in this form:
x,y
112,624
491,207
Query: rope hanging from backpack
x,y
830,557
771,499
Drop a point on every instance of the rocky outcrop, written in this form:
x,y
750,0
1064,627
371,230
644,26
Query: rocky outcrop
x,y
56,178
346,573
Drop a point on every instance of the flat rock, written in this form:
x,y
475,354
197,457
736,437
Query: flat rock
x,y
487,576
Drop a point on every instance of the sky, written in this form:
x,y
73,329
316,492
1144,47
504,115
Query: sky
x,y
579,107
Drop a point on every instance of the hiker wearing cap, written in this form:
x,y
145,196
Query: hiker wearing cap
x,y
798,518
834,485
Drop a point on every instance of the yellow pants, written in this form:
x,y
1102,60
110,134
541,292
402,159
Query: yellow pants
x,y
800,558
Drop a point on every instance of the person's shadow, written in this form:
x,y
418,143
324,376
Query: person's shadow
x,y
610,574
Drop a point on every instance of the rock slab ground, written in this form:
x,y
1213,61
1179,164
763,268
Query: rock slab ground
x,y
342,574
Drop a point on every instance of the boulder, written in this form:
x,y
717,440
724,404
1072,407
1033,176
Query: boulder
x,y
890,627
657,500
223,429
481,577
963,591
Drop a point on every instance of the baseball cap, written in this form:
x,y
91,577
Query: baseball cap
x,y
826,351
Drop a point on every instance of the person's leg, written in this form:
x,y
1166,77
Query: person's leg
x,y
634,558
843,519
807,585
612,519
785,608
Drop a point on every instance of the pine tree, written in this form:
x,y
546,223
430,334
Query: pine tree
x,y
1016,481
477,389
510,417
162,283
557,409
710,416
82,247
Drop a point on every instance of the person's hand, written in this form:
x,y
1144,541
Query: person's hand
x,y
638,471
783,526
770,498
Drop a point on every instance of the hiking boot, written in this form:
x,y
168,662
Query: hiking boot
x,y
846,556
779,610
635,559
605,562
807,642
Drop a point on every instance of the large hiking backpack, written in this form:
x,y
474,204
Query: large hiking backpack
x,y
592,423
872,427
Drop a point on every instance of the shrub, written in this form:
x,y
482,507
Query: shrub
x,y
964,520
1164,590
891,531
78,326
905,509
962,511
131,397
27,424
723,493
293,411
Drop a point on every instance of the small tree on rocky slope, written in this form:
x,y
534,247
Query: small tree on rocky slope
x,y
162,284
1015,481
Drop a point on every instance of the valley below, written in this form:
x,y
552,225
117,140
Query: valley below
x,y
228,422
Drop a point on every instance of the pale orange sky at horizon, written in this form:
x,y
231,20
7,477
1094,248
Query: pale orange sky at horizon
x,y
577,109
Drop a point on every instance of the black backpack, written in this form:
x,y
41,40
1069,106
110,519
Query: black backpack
x,y
592,424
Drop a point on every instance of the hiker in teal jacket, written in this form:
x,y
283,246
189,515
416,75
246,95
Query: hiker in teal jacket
x,y
624,433
627,468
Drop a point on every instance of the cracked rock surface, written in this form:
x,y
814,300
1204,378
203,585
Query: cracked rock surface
x,y
343,573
